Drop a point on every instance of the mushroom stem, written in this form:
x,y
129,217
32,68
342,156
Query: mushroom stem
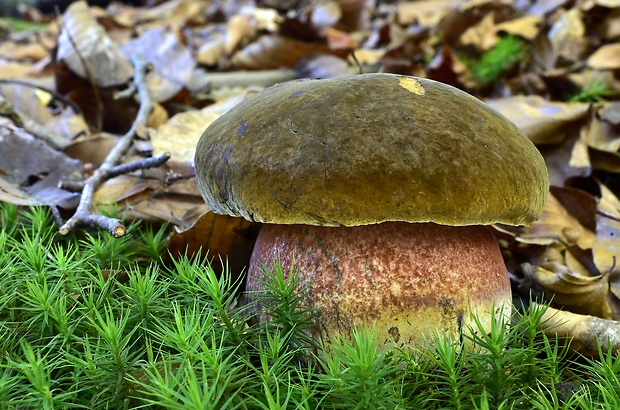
x,y
409,280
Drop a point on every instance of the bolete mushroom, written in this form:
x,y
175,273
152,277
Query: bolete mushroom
x,y
378,186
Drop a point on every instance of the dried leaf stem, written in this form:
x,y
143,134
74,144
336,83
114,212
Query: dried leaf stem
x,y
109,168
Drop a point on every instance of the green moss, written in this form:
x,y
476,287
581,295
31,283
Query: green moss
x,y
508,51
594,91
87,323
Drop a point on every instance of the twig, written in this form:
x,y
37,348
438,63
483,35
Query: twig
x,y
110,168
57,96
608,215
96,94
145,163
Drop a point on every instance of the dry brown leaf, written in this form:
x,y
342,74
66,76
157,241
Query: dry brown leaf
x,y
426,13
267,19
606,248
483,35
542,52
580,154
557,224
339,40
14,70
602,130
180,134
92,150
356,14
26,100
540,8
31,166
150,200
527,27
124,187
607,57
172,62
84,41
25,51
578,293
213,50
322,66
325,14
239,30
558,156
272,51
567,35
31,103
585,332
543,121
588,4
224,238
609,29
174,13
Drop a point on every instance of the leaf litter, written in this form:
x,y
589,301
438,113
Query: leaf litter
x,y
64,107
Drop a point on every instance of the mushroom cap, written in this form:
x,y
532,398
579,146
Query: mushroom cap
x,y
368,149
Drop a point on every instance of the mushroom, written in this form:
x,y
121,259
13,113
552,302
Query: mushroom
x,y
378,187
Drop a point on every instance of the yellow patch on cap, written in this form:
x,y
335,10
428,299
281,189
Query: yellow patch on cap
x,y
412,85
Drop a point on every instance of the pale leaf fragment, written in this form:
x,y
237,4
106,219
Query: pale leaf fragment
x,y
543,121
84,42
606,248
576,292
483,35
555,225
586,332
567,35
607,57
180,134
527,27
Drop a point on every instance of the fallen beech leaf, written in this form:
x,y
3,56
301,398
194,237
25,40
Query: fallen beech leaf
x,y
271,51
150,200
224,237
543,121
607,57
92,150
602,130
14,70
106,64
180,134
603,3
426,13
123,187
606,247
339,40
325,14
238,31
28,51
483,35
527,27
585,332
172,62
267,19
213,50
322,66
567,35
557,224
591,295
31,166
609,29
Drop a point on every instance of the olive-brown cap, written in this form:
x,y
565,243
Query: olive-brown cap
x,y
367,149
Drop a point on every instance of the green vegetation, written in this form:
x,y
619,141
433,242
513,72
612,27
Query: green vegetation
x,y
508,51
93,322
596,90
